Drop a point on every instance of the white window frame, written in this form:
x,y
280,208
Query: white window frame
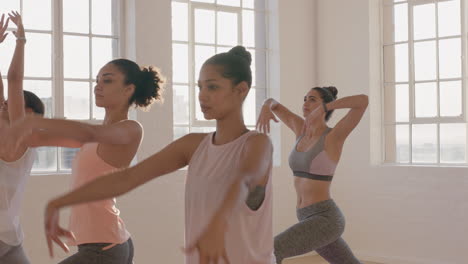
x,y
388,97
57,62
261,92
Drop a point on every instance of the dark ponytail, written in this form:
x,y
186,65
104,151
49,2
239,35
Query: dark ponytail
x,y
148,82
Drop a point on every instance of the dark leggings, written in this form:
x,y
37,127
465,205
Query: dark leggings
x,y
94,254
320,228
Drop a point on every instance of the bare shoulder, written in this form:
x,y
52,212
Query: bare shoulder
x,y
190,142
258,140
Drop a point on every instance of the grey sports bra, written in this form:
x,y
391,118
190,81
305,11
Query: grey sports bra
x,y
312,164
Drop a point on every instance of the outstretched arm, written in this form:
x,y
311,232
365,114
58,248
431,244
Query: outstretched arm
x,y
174,156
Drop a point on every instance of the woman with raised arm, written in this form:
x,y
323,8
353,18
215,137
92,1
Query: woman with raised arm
x,y
15,166
313,160
96,228
228,185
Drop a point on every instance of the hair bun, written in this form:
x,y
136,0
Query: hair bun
x,y
242,52
332,90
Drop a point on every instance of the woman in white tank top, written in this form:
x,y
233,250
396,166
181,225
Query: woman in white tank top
x,y
15,166
228,188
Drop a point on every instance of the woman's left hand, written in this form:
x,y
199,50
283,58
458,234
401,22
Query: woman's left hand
x,y
53,230
3,28
211,244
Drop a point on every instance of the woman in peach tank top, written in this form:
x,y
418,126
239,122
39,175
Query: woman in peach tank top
x,y
96,228
228,186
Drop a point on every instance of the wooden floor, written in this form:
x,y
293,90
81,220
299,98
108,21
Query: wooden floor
x,y
313,260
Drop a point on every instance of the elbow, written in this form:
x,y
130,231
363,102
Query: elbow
x,y
364,99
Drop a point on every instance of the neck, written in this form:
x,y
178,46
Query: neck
x,y
318,128
114,115
229,128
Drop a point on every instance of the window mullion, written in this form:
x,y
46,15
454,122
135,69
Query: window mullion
x,y
411,79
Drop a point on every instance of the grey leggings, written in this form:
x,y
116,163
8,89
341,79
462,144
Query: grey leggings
x,y
320,228
12,254
93,254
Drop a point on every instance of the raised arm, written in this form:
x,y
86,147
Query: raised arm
x,y
254,166
3,35
272,108
16,109
174,156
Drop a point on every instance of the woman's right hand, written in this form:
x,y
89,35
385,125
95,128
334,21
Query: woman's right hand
x,y
263,122
3,28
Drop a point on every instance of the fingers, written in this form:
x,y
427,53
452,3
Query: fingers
x,y
50,246
60,243
225,258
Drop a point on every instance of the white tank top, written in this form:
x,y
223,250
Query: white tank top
x,y
13,176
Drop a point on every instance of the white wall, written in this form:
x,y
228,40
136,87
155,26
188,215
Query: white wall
x,y
394,214
154,213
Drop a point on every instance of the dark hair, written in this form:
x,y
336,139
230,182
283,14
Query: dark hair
x,y
327,94
235,65
148,82
32,101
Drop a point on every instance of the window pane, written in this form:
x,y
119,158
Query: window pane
x,y
76,100
223,49
204,26
181,104
180,63
76,57
8,5
102,53
248,28
424,21
450,58
396,63
400,20
46,160
260,79
227,28
253,66
198,112
451,98
180,132
102,17
424,140
76,16
402,143
179,21
204,1
452,143
425,60
229,2
402,103
43,89
98,112
248,3
37,14
38,55
449,18
6,53
66,158
202,53
202,129
426,99
249,108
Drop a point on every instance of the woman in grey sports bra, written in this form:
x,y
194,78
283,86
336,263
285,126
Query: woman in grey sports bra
x,y
313,160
